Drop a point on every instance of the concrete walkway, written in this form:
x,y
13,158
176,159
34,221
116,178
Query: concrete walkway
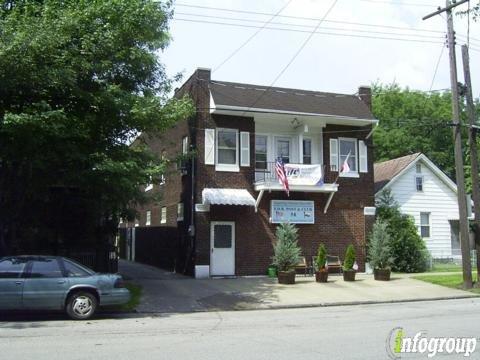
x,y
164,292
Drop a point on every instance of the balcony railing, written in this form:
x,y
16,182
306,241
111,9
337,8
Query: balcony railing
x,y
268,175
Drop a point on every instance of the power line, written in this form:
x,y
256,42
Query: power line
x,y
316,32
307,40
305,18
436,68
250,38
306,26
397,3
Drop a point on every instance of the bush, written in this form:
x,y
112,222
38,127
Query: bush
x,y
379,247
349,258
286,249
321,257
407,247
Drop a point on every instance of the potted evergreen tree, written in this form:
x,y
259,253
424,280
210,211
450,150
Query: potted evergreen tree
x,y
286,253
379,251
348,270
321,271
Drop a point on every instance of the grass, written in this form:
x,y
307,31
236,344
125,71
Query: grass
x,y
454,281
136,295
448,267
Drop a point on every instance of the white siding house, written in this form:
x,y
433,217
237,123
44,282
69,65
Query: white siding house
x,y
423,191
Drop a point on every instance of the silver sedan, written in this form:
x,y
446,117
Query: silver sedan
x,y
57,283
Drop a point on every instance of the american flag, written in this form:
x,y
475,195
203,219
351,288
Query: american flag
x,y
282,175
345,167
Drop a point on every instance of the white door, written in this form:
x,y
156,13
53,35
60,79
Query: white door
x,y
222,243
283,149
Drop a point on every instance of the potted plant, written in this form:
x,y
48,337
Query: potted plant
x,y
348,270
286,253
379,251
321,271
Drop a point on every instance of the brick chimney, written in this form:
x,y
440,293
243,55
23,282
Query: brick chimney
x,y
365,94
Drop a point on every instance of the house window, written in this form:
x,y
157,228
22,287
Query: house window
x,y
418,168
260,152
148,218
419,182
180,212
283,149
149,186
425,225
348,148
163,219
307,151
185,145
227,149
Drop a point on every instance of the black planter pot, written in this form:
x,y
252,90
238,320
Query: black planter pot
x,y
349,275
286,277
381,274
321,276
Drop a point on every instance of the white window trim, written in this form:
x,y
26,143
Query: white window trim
x,y
302,155
267,137
350,174
163,219
185,145
227,167
148,218
180,212
418,176
429,225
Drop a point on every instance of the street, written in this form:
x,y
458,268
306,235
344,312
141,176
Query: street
x,y
340,332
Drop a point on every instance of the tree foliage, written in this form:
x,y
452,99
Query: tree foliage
x,y
407,247
321,259
79,79
379,246
286,249
349,258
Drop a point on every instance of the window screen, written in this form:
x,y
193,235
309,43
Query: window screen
x,y
222,236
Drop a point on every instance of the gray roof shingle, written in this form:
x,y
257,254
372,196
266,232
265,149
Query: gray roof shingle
x,y
293,100
387,170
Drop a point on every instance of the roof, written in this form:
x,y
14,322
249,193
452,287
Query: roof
x,y
227,197
387,170
288,100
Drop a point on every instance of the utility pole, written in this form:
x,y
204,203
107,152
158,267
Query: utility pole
x,y
472,140
457,135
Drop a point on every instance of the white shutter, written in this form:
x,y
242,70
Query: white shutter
x,y
362,150
244,148
209,146
333,155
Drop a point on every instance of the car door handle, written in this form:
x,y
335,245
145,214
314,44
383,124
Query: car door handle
x,y
61,282
19,282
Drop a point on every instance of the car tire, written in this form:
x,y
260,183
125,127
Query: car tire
x,y
81,305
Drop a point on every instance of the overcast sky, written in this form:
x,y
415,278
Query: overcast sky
x,y
328,62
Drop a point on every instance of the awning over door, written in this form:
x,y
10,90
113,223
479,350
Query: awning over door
x,y
227,197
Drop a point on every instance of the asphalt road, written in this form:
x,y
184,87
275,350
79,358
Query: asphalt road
x,y
346,332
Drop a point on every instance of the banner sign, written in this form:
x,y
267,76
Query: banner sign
x,y
292,211
299,174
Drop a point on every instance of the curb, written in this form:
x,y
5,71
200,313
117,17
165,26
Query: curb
x,y
311,305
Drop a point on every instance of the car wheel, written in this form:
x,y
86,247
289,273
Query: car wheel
x,y
81,305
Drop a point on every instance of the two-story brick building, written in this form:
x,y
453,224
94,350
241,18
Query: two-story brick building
x,y
227,201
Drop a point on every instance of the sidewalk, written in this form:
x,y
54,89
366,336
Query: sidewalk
x,y
165,292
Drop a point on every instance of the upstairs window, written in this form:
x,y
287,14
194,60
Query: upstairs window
x,y
347,148
419,182
307,151
185,145
227,149
163,219
148,218
180,212
260,152
425,225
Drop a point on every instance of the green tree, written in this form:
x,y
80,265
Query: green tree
x,y
413,121
379,246
286,250
79,80
349,258
407,247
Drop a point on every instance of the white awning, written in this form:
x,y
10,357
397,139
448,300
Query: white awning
x,y
227,197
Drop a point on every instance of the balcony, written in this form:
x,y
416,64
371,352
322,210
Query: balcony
x,y
301,177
